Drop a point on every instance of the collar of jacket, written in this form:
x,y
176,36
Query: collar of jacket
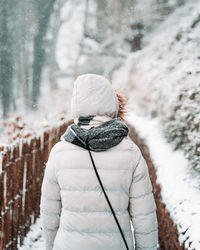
x,y
91,121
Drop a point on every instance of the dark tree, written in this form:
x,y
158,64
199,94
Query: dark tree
x,y
44,10
6,62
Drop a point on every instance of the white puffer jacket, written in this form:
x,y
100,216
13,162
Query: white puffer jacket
x,y
75,214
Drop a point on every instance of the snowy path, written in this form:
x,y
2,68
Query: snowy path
x,y
34,239
180,186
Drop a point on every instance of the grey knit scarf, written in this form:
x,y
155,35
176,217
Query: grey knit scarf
x,y
98,138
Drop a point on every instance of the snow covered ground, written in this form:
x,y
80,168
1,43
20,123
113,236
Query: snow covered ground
x,y
180,191
20,126
34,239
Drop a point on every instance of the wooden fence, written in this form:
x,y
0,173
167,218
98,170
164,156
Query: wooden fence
x,y
22,166
21,174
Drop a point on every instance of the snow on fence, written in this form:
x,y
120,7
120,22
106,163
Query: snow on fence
x,y
22,166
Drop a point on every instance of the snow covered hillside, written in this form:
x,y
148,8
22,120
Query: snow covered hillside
x,y
162,82
163,79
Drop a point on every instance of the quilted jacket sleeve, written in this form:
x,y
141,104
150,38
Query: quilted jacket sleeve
x,y
142,207
50,203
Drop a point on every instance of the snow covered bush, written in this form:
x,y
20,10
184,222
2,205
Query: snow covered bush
x,y
182,125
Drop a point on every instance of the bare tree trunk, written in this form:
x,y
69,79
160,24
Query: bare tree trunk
x,y
101,18
26,69
44,10
6,62
82,39
53,65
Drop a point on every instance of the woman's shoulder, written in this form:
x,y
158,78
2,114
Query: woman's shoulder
x,y
62,146
130,144
126,144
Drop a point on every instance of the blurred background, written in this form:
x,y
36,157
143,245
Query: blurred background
x,y
148,48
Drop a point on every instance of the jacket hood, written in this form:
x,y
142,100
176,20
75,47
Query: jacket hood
x,y
93,95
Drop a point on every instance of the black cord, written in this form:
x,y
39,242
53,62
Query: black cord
x,y
107,198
